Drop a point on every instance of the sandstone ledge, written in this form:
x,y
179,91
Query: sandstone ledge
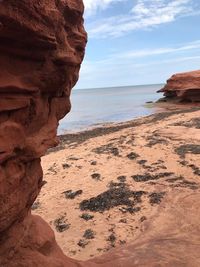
x,y
183,86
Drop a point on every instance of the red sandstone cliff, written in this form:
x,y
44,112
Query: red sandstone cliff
x,y
42,45
183,86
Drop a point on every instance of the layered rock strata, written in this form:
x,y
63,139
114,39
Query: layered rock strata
x,y
183,86
42,45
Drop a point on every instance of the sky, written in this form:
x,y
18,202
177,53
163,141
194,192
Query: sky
x,y
134,42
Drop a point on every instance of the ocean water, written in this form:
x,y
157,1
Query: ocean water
x,y
92,107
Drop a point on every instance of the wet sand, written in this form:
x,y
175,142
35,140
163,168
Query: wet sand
x,y
104,184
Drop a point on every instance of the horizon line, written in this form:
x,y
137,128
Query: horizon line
x,y
109,87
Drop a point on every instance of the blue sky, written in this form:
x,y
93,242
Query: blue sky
x,y
133,42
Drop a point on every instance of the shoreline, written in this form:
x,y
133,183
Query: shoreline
x,y
107,128
104,187
156,107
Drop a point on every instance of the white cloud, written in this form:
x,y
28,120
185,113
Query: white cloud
x,y
145,14
91,6
132,66
160,51
118,58
145,8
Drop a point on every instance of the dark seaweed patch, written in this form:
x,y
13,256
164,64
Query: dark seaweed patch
x,y
148,177
194,123
132,156
155,140
156,198
118,195
142,161
86,216
187,184
89,234
82,243
35,205
79,138
188,148
66,166
122,178
107,149
61,224
96,176
69,194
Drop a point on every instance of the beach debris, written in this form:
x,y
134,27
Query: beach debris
x,y
35,205
196,170
142,161
79,167
155,139
52,169
61,224
188,148
112,239
89,234
148,177
66,166
156,198
69,194
73,158
194,123
96,176
87,216
83,243
123,221
132,156
187,184
107,149
131,210
173,180
122,178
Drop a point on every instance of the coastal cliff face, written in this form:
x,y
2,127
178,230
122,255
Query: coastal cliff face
x,y
42,45
183,86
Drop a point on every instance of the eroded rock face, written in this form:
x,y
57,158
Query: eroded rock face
x,y
42,45
183,86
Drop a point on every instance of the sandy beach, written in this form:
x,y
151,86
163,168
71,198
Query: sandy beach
x,y
103,185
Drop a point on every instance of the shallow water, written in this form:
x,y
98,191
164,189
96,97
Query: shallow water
x,y
104,105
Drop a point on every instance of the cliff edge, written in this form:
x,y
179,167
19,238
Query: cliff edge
x,y
183,86
42,45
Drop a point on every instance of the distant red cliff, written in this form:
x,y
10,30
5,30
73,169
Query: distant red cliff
x,y
184,86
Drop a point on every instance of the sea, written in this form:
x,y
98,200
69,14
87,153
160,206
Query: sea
x,y
97,106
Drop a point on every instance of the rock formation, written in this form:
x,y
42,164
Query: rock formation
x,y
183,86
42,45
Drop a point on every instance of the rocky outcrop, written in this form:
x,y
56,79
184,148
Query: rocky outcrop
x,y
42,45
183,86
